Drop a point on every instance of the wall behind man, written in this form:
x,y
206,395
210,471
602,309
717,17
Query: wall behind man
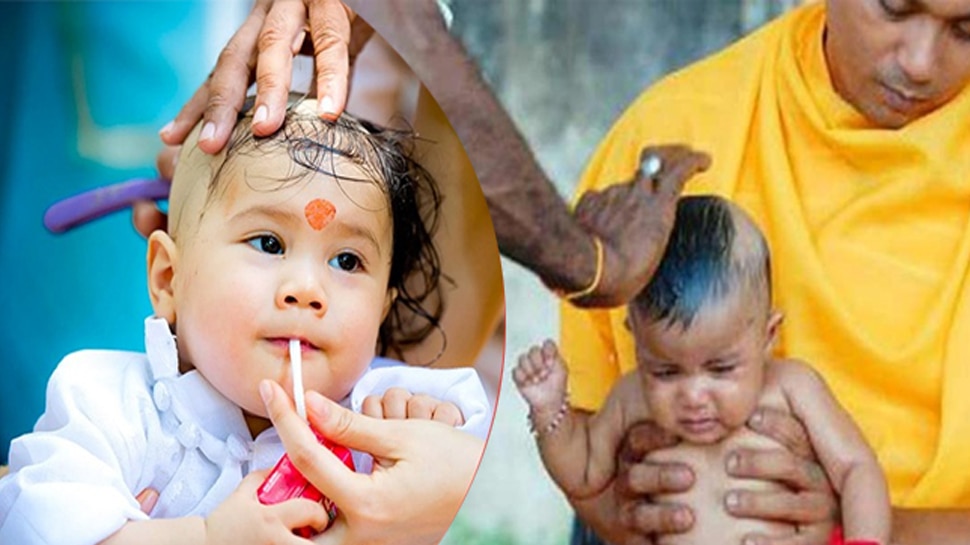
x,y
565,70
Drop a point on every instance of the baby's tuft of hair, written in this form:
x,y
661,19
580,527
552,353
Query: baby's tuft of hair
x,y
714,250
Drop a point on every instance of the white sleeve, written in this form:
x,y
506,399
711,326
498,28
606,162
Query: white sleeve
x,y
67,481
459,386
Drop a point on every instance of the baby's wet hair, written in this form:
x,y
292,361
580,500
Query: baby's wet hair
x,y
385,157
714,249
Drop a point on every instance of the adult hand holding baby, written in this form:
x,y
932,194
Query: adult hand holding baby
x,y
810,502
623,514
422,470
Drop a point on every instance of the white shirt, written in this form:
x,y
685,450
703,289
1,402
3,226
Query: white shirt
x,y
119,422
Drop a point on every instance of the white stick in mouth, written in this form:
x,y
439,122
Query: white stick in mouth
x,y
296,361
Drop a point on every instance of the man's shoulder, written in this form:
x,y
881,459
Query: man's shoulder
x,y
716,80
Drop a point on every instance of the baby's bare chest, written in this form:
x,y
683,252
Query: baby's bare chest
x,y
712,523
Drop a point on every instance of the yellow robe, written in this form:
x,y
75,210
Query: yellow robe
x,y
869,236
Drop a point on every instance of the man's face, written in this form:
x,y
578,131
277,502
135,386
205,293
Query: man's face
x,y
704,382
898,60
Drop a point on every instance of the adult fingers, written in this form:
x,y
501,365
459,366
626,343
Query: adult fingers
x,y
315,461
226,88
643,438
650,479
777,465
785,506
330,23
378,437
175,131
783,428
165,161
147,218
686,166
678,164
652,518
279,39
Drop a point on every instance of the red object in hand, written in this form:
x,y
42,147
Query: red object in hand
x,y
837,539
285,482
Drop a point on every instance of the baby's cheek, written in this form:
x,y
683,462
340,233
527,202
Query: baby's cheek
x,y
660,402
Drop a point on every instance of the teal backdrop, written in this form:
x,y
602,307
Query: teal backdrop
x,y
84,90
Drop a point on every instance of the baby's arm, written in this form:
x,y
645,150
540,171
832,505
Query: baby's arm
x,y
849,462
398,403
578,449
240,519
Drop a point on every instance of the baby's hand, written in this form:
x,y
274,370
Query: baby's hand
x,y
398,403
541,377
241,519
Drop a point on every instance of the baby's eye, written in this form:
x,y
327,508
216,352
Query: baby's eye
x,y
346,261
266,243
722,368
664,372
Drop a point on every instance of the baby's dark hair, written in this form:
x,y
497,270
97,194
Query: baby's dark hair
x,y
704,261
386,158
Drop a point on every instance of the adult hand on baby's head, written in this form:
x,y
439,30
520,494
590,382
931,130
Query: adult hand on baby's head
x,y
262,50
623,514
145,215
811,503
633,221
422,473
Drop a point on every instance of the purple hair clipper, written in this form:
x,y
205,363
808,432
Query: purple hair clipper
x,y
90,205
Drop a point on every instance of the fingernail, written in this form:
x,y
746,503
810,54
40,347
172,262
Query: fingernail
x,y
325,107
732,500
261,114
168,127
757,418
265,392
297,44
733,461
680,477
682,519
208,131
147,501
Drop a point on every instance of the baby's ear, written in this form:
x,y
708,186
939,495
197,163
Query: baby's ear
x,y
162,260
775,319
388,302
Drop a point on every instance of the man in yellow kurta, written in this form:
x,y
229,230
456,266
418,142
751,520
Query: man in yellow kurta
x,y
843,128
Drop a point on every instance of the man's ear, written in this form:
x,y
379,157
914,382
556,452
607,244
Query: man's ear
x,y
162,261
772,330
388,302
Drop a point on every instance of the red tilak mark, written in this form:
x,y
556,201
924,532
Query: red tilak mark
x,y
319,213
